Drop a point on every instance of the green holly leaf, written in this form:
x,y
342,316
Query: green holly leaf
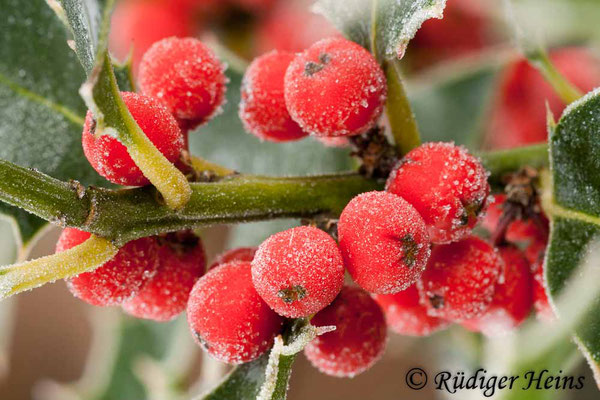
x,y
574,205
41,112
384,26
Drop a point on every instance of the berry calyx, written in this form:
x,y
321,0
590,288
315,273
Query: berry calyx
x,y
384,242
238,254
358,340
181,262
405,314
298,271
335,88
186,76
512,300
262,108
227,316
118,279
460,279
110,158
447,185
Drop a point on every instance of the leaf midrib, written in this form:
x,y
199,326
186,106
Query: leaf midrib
x,y
30,95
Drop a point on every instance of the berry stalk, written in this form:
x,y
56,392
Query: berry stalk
x,y
561,85
90,254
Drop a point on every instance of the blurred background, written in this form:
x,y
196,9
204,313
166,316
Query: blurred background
x,y
460,77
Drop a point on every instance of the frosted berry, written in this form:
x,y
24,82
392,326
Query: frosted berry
x,y
298,271
116,280
335,88
245,254
460,279
262,109
137,24
181,262
228,318
292,27
110,158
513,298
405,314
358,340
186,76
447,185
384,242
519,112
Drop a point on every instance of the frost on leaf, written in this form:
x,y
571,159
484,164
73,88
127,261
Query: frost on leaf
x,y
394,22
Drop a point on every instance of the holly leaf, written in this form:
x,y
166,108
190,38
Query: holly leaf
x,y
384,26
41,113
84,19
574,204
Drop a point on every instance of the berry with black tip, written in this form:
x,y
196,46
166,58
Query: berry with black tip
x,y
384,242
335,88
298,271
447,185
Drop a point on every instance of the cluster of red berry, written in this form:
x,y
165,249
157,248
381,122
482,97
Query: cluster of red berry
x,y
334,88
409,248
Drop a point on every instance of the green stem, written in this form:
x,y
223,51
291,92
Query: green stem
x,y
128,214
501,162
400,115
561,85
90,254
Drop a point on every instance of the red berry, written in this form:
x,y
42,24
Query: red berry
x,y
116,280
541,302
186,76
110,158
180,263
228,318
512,299
262,109
245,254
298,271
384,242
292,27
405,314
254,5
335,88
519,113
136,24
447,185
460,279
358,340
519,230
